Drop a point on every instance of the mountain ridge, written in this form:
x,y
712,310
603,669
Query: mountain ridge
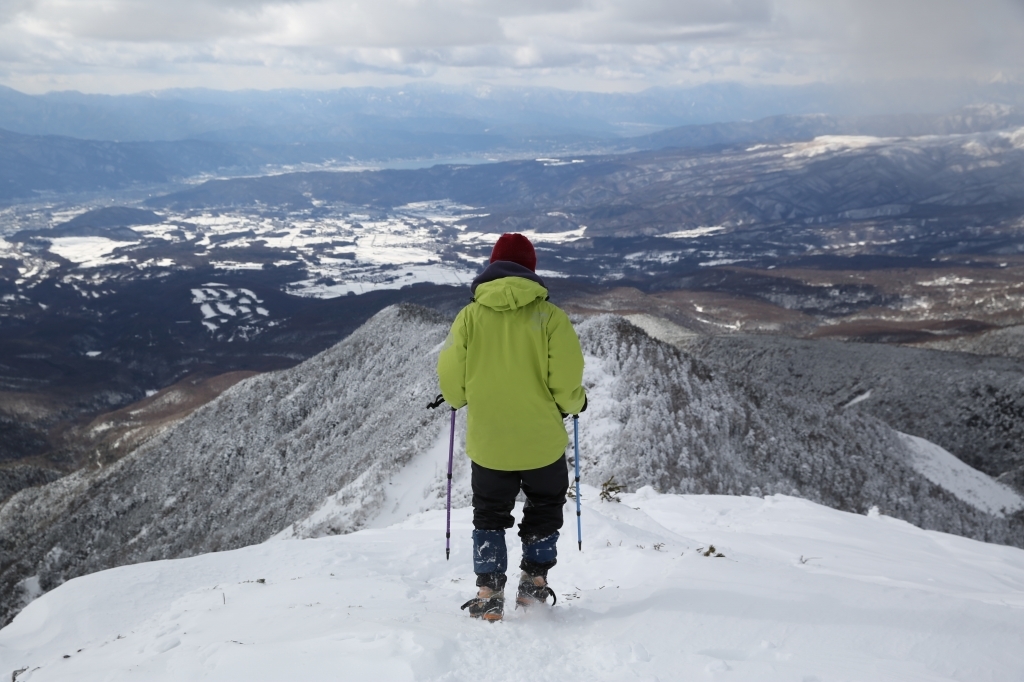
x,y
321,441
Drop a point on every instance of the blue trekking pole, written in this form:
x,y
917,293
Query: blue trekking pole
x,y
451,456
576,438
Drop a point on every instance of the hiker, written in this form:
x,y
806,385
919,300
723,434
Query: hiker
x,y
515,360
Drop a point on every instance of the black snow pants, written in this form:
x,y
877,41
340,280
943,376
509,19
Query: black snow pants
x,y
494,496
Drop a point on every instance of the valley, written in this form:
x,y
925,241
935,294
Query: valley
x,y
895,240
837,297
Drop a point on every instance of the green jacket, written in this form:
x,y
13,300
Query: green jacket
x,y
516,361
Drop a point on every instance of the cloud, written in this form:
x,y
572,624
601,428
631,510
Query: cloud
x,y
621,44
941,39
12,8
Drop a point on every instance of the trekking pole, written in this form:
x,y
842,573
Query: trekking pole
x,y
451,456
576,438
448,524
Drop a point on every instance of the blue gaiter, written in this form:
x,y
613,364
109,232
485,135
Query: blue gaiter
x,y
489,553
541,551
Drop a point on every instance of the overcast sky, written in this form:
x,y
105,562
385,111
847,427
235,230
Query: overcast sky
x,y
118,46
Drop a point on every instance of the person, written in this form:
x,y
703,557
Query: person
x,y
514,359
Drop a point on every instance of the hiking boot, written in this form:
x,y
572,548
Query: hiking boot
x,y
533,590
488,604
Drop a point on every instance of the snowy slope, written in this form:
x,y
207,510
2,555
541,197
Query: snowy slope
x,y
803,592
970,485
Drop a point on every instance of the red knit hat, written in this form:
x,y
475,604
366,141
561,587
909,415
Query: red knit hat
x,y
516,248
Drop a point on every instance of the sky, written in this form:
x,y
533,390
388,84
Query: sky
x,y
119,46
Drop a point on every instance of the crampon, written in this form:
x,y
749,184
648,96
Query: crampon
x,y
534,590
488,605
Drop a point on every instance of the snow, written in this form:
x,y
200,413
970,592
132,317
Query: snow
x,y
559,162
362,280
660,328
31,587
443,211
229,312
1015,137
720,261
234,265
967,483
88,252
802,592
9,250
827,144
157,263
410,491
946,281
695,232
485,238
341,252
859,399
358,252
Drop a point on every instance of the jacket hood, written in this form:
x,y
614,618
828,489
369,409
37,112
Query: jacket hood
x,y
505,268
505,285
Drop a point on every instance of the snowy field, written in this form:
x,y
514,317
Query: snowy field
x,y
340,252
239,310
89,252
802,592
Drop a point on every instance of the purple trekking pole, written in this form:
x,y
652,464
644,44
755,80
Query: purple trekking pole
x,y
448,522
451,456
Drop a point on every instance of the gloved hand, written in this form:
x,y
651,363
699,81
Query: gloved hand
x,y
582,409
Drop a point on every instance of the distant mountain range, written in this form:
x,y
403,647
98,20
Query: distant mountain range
x,y
42,166
289,116
776,129
69,142
796,191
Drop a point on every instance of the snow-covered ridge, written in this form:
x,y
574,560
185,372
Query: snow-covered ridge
x,y
264,454
801,592
318,450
